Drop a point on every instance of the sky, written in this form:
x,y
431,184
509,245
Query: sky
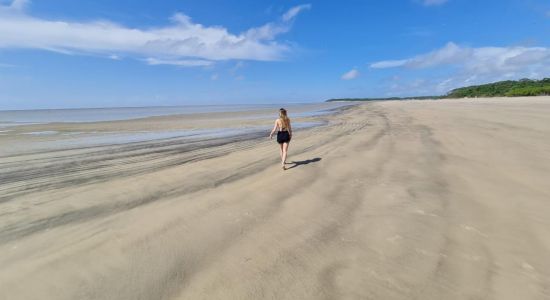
x,y
104,53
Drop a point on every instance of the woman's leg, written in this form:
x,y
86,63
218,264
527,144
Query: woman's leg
x,y
285,151
281,151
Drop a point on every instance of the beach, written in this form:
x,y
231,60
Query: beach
x,y
431,199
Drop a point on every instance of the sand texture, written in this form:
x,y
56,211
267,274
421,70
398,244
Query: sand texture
x,y
446,199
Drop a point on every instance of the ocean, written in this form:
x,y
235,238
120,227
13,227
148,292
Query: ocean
x,y
10,118
24,131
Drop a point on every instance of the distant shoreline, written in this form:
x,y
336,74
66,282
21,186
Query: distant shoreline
x,y
425,98
385,99
503,89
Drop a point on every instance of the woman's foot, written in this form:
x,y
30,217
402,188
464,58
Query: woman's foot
x,y
284,168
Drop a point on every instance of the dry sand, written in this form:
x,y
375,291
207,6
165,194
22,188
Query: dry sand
x,y
391,200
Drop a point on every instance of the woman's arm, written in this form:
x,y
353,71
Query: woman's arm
x,y
274,128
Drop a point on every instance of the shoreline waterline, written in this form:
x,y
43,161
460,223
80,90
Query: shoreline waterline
x,y
34,137
10,118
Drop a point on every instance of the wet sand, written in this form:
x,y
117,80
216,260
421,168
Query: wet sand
x,y
444,199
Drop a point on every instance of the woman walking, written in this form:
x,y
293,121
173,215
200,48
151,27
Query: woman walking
x,y
283,135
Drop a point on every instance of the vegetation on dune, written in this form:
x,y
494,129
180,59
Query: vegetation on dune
x,y
509,88
523,87
529,91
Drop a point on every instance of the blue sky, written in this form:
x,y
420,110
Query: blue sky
x,y
98,53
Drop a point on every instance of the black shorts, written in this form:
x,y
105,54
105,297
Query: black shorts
x,y
283,137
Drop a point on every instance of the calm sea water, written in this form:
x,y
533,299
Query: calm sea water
x,y
37,141
21,117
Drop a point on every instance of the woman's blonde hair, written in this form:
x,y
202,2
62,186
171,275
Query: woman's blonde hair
x,y
284,118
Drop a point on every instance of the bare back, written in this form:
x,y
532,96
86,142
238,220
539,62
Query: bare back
x,y
282,126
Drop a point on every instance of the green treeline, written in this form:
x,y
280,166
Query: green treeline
x,y
509,88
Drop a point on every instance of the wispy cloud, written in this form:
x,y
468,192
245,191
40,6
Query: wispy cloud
x,y
179,43
352,74
477,60
181,62
270,30
449,54
467,65
293,12
433,2
19,4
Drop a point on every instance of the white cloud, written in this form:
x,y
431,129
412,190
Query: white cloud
x,y
449,54
181,62
293,12
19,4
270,30
388,64
461,66
350,75
183,42
484,60
434,2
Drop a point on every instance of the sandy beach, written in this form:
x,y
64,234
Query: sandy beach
x,y
439,199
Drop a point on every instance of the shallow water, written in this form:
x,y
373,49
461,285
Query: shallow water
x,y
28,117
48,132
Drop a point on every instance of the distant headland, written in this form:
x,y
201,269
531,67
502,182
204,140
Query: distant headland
x,y
508,88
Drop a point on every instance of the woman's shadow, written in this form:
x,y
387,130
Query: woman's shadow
x,y
303,162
